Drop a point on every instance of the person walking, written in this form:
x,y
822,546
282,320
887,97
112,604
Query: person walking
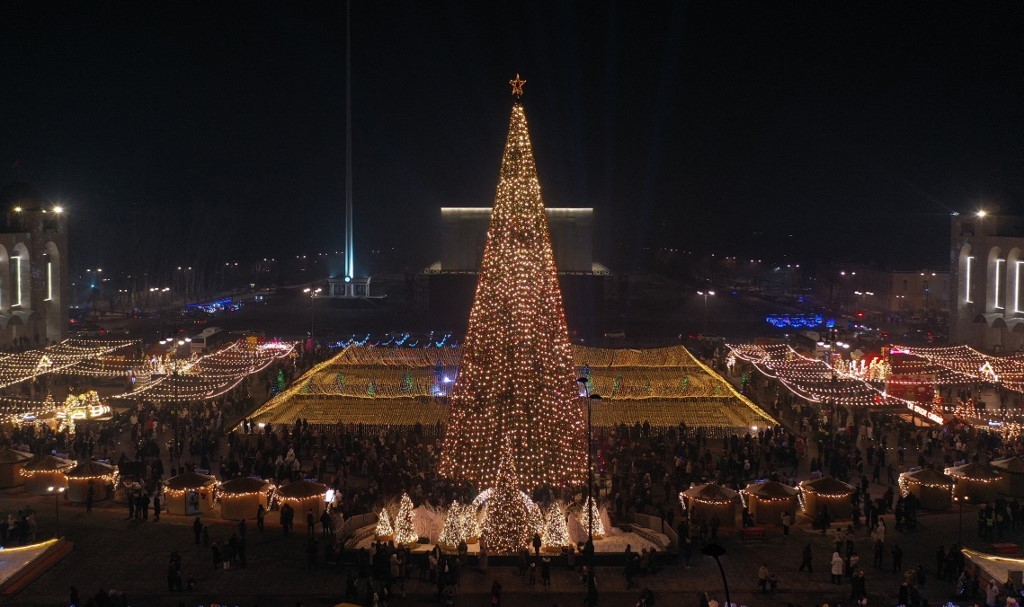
x,y
197,529
310,523
496,594
837,568
762,577
89,495
156,508
261,513
545,570
897,558
805,559
786,522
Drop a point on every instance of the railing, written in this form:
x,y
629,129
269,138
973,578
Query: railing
x,y
655,524
354,523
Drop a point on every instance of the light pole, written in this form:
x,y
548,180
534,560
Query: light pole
x,y
715,551
705,294
960,519
590,462
312,295
57,492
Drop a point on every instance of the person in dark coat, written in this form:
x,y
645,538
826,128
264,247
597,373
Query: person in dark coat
x,y
197,529
805,559
156,509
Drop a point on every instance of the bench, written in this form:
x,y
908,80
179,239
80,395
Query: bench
x,y
751,533
1005,548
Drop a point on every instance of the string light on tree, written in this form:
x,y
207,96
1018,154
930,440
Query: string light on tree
x,y
590,508
405,522
517,378
556,532
507,527
384,530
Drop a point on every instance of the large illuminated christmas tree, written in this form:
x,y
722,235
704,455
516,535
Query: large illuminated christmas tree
x,y
517,377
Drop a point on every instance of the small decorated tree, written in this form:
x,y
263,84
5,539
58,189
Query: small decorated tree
x,y
384,529
453,531
590,507
556,532
405,522
507,527
470,524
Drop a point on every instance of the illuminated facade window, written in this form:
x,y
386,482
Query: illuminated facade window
x,y
967,281
999,270
49,280
17,281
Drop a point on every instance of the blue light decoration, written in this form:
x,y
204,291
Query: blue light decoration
x,y
218,305
799,321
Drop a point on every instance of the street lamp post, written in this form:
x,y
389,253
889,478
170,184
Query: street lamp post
x,y
312,295
590,462
57,492
705,295
960,519
715,551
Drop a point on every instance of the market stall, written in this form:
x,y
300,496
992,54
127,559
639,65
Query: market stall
x,y
933,489
190,493
829,494
45,472
240,497
304,496
767,500
93,474
977,483
1013,468
12,462
706,501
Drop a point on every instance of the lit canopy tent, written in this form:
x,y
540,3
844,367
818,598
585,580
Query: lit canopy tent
x,y
827,492
705,501
1013,468
90,474
44,472
994,566
933,488
11,464
977,482
304,495
240,497
767,500
190,493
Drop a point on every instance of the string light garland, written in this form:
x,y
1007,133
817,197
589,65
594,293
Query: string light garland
x,y
517,377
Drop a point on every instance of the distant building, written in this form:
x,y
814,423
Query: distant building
x,y
909,294
464,233
987,298
33,268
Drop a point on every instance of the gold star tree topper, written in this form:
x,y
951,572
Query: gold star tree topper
x,y
517,86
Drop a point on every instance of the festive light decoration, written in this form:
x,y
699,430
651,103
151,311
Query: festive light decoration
x,y
211,375
517,377
556,532
470,523
405,522
924,478
453,531
384,530
590,509
507,528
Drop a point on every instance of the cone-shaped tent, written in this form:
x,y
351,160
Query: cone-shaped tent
x,y
1013,468
44,472
705,501
827,492
189,493
977,482
90,474
11,464
304,496
933,488
241,497
517,377
767,500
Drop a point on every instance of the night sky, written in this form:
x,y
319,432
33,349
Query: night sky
x,y
814,130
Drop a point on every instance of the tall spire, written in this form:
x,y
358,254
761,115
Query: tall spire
x,y
517,380
350,258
